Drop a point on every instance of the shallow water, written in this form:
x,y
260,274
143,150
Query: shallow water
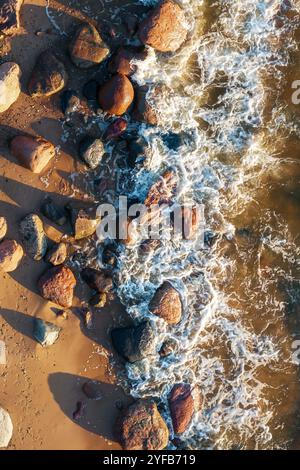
x,y
231,98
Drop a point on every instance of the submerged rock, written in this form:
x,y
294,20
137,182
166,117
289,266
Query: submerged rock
x,y
91,151
11,254
3,228
97,280
9,85
57,254
162,191
168,347
166,304
6,428
116,95
115,129
181,405
90,90
165,28
48,76
33,236
10,16
50,210
134,343
122,60
144,109
87,48
45,333
34,153
141,427
57,285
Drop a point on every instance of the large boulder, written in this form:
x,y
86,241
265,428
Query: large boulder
x,y
166,304
141,427
6,428
87,48
11,254
134,343
57,285
45,333
48,77
10,16
34,153
165,28
9,85
181,404
116,95
33,236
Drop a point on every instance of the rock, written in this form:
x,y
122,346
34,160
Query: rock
x,y
109,256
90,90
34,153
99,300
166,304
141,427
121,61
11,254
33,236
92,390
87,48
163,190
134,343
172,140
97,280
87,317
3,228
10,16
70,102
57,254
165,28
148,246
9,84
137,151
116,95
91,151
83,220
168,347
116,129
45,333
3,360
50,210
181,405
57,285
6,428
48,76
131,23
144,109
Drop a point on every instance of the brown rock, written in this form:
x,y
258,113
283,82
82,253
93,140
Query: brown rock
x,y
166,304
48,76
34,153
92,389
87,48
10,16
97,280
181,405
116,95
144,109
163,190
121,61
57,255
11,254
3,228
141,427
84,221
9,85
98,300
165,28
57,285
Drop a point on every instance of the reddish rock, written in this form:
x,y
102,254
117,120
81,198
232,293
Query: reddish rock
x,y
163,190
97,280
11,254
166,304
165,28
121,61
87,48
141,427
181,405
144,109
116,95
57,285
116,129
34,153
10,16
48,76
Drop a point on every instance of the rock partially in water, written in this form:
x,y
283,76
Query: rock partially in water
x,y
11,254
10,16
141,427
84,221
137,151
116,95
3,228
33,236
70,102
87,47
98,300
91,151
92,390
57,254
48,76
34,153
122,60
134,343
100,281
50,210
165,28
144,109
9,85
166,304
115,129
172,140
168,347
45,333
57,285
90,90
6,428
163,190
131,22
181,405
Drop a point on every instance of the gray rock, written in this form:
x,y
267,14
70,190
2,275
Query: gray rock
x,y
45,333
91,151
136,342
33,236
6,428
50,210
